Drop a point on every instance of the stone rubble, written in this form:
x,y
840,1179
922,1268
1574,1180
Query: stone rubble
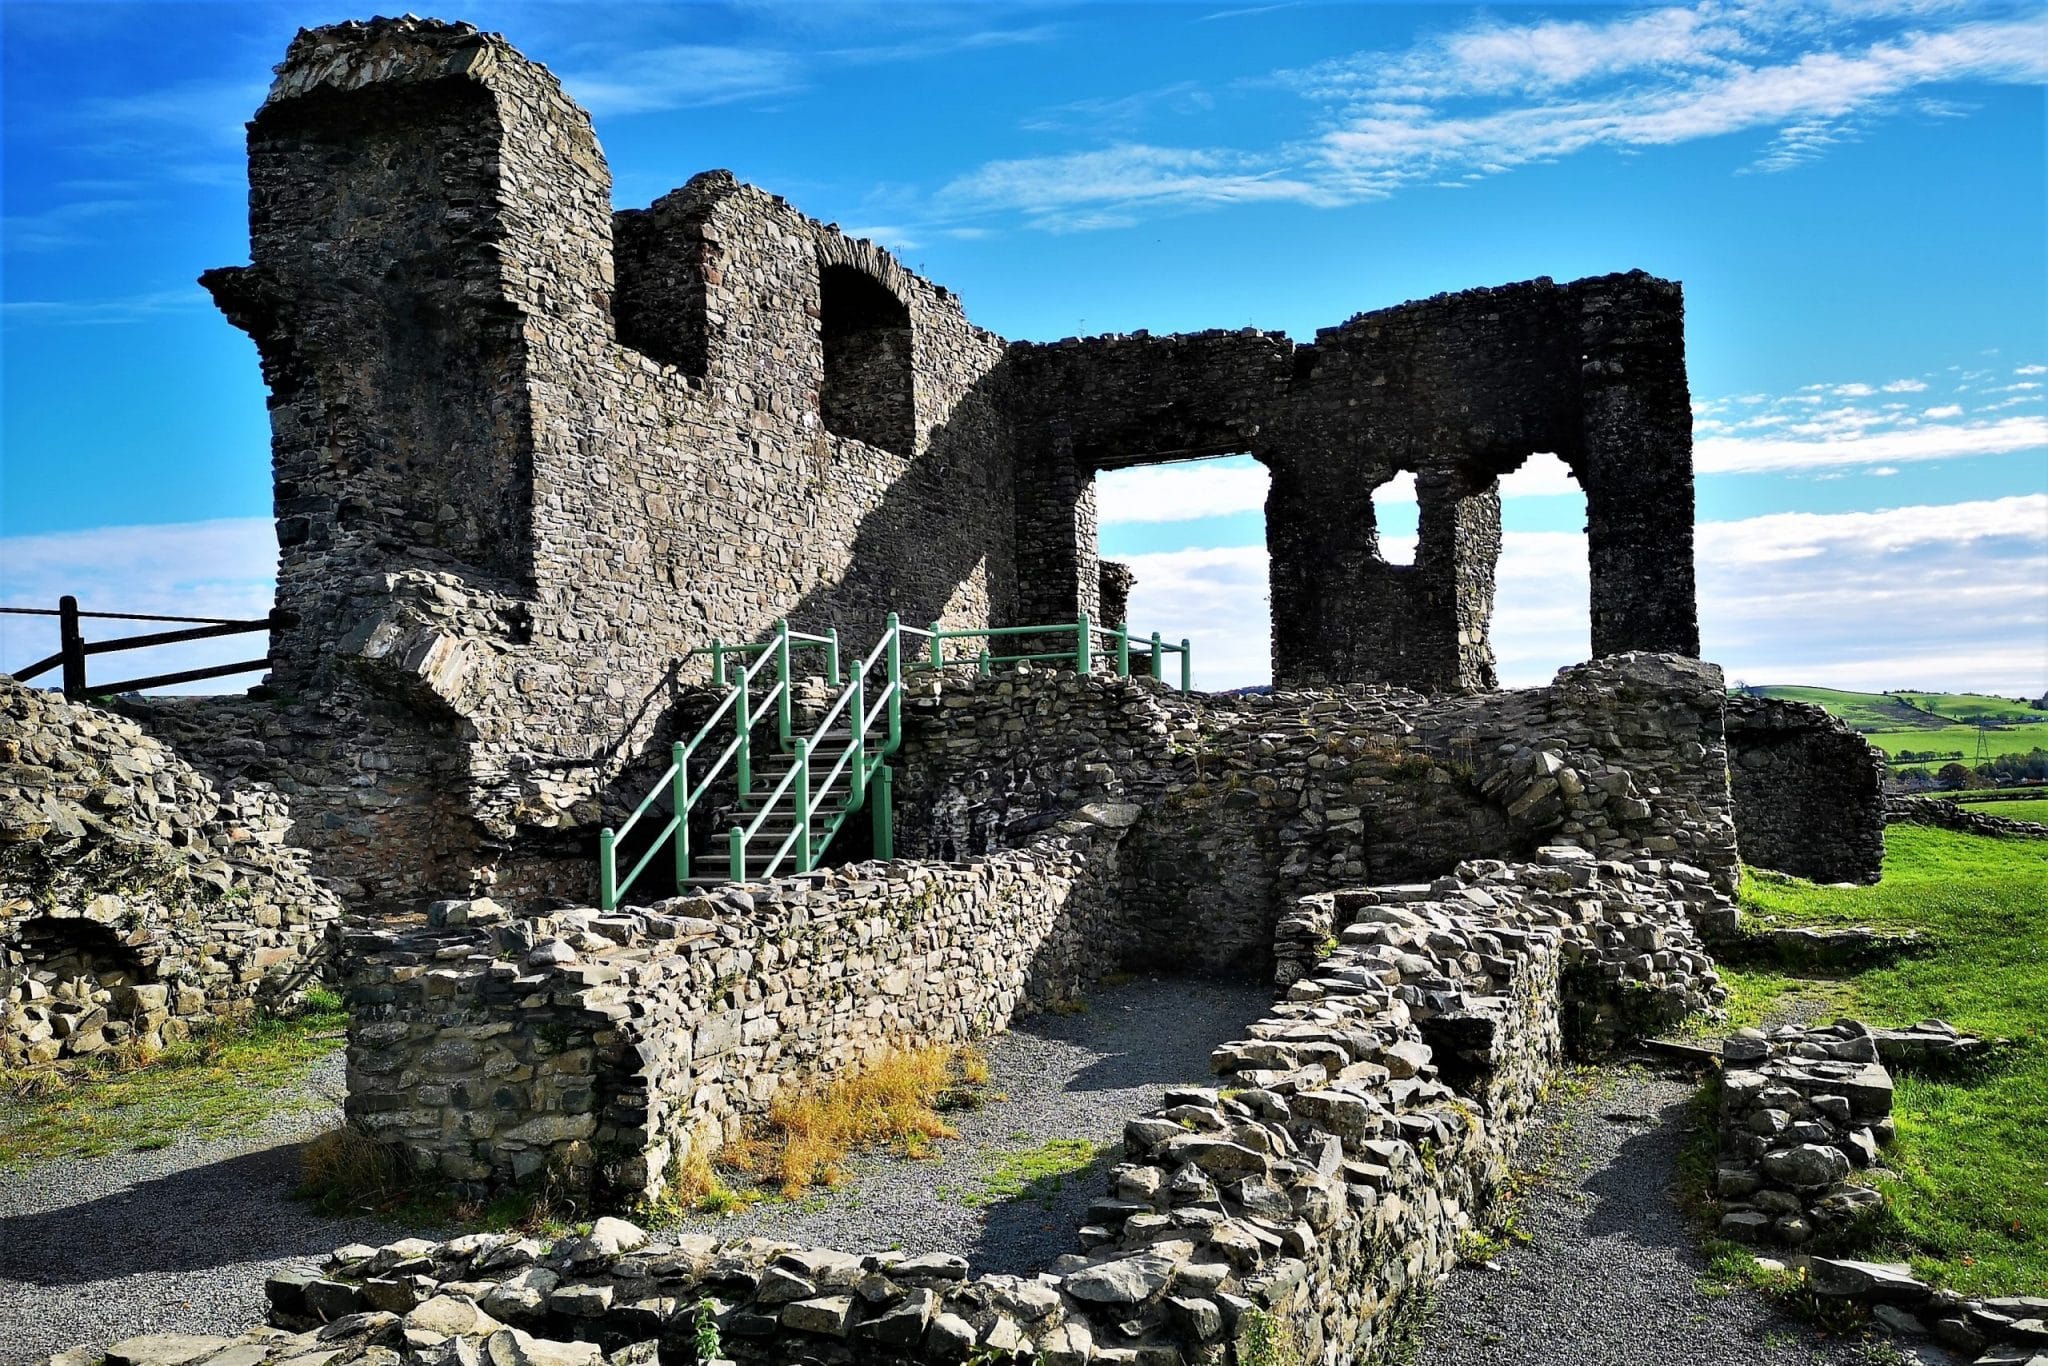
x,y
137,898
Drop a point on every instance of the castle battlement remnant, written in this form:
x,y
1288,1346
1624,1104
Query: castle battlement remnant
x,y
531,454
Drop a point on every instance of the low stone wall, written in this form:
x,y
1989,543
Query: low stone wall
x,y
1809,791
1255,801
600,1049
136,896
1948,815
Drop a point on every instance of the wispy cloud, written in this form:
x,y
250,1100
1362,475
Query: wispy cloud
x,y
683,76
1934,441
1102,188
88,312
1490,96
62,225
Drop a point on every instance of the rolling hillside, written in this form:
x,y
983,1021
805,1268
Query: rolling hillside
x,y
1940,723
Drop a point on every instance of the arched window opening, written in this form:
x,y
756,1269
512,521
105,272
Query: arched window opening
x,y
867,393
1542,618
1191,536
1395,520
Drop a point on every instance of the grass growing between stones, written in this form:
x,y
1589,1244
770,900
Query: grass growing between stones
x,y
1040,1173
1970,1209
893,1102
221,1082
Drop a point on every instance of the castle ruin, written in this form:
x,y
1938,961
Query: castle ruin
x,y
534,458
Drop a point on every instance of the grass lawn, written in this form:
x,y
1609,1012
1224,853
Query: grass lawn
x,y
1863,710
1965,706
1963,740
1972,1205
225,1082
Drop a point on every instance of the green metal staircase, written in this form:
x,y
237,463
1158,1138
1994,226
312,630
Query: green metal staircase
x,y
793,798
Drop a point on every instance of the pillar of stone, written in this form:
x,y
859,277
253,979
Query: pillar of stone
x,y
1635,463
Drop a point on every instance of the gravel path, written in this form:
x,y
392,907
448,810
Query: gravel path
x,y
1073,1077
93,1250
1611,1273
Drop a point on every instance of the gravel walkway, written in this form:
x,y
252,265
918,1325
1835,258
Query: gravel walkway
x,y
1611,1273
94,1250
1073,1077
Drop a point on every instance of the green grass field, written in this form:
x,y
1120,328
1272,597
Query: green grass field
x,y
1963,740
1964,706
1928,721
2031,809
1863,710
1971,1207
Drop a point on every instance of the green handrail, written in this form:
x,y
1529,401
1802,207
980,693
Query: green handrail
x,y
862,763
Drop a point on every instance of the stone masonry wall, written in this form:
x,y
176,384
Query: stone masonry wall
x,y
1306,1202
1459,390
531,455
1948,815
136,896
1253,801
601,1049
591,464
1809,791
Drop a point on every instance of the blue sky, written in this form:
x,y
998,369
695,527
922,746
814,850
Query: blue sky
x,y
1854,194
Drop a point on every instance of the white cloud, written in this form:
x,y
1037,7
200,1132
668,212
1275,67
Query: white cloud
x,y
81,312
1179,493
1933,596
1123,177
1488,97
224,568
1746,455
1906,386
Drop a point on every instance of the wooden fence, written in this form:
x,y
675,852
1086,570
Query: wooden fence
x,y
74,649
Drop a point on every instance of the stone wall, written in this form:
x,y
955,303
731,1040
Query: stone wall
x,y
531,455
1459,390
1809,791
521,476
1356,1135
1253,801
1971,819
600,1049
136,896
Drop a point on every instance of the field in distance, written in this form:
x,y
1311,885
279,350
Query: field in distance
x,y
1940,723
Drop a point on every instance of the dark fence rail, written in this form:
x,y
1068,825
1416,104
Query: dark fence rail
x,y
74,649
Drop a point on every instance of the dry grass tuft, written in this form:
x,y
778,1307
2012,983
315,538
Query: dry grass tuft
x,y
892,1102
346,1169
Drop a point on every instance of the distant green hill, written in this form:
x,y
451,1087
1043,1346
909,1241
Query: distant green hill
x,y
1937,723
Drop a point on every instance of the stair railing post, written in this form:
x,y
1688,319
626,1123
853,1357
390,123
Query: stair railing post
x,y
894,655
986,663
1158,659
885,814
782,672
607,870
1187,666
680,757
938,648
72,643
718,661
1123,649
736,864
1084,646
803,805
858,723
743,761
832,656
